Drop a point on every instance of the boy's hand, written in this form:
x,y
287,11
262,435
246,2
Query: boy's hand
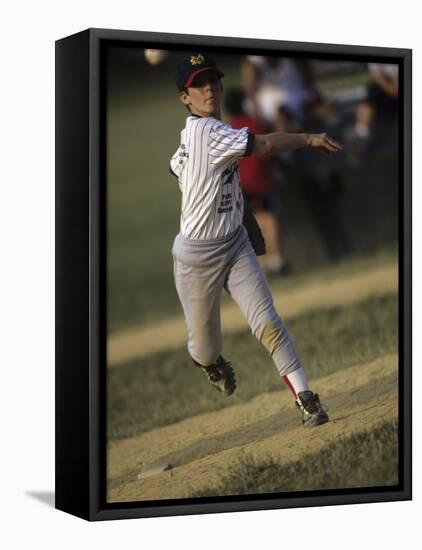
x,y
323,143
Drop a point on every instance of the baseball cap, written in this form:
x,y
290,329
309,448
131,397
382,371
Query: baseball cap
x,y
191,66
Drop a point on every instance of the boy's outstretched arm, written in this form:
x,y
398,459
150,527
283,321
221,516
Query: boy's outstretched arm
x,y
266,145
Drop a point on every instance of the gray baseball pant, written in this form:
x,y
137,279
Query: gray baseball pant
x,y
202,268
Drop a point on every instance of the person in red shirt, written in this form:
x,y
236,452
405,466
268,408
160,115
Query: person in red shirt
x,y
257,185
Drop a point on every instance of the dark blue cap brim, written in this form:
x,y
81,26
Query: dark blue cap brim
x,y
192,76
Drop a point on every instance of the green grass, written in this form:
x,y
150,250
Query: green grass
x,y
143,205
163,388
367,459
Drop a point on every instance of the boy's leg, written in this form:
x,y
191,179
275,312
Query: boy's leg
x,y
247,284
200,294
200,299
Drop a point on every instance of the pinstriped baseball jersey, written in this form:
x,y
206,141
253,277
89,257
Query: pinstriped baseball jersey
x,y
207,169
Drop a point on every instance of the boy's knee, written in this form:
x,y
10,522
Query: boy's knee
x,y
272,334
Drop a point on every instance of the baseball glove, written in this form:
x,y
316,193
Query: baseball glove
x,y
254,232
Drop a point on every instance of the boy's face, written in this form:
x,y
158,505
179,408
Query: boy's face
x,y
204,95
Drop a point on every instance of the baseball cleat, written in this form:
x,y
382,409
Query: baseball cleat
x,y
221,376
313,414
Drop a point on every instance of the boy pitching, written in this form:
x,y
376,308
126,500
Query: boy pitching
x,y
213,250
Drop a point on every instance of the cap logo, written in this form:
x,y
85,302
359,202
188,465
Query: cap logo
x,y
197,59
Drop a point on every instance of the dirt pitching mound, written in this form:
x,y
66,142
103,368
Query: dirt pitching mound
x,y
175,461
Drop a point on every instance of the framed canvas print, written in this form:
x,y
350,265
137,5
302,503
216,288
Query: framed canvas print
x,y
233,303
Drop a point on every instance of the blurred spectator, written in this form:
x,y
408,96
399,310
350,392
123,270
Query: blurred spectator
x,y
257,185
379,109
321,180
272,83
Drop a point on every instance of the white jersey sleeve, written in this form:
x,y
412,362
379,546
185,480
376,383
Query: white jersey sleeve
x,y
226,144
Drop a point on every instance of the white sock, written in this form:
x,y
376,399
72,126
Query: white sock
x,y
296,381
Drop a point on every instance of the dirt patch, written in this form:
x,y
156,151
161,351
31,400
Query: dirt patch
x,y
174,461
171,334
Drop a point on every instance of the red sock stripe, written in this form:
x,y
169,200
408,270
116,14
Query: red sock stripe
x,y
287,381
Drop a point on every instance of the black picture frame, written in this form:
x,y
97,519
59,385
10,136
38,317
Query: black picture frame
x,y
81,277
